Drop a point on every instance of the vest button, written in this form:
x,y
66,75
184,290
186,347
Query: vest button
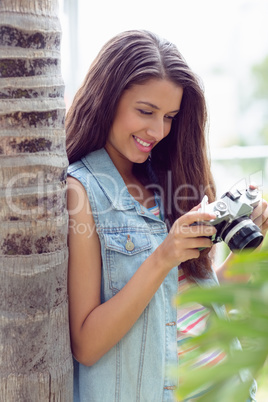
x,y
170,324
129,246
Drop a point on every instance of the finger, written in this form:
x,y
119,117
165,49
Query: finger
x,y
258,221
199,243
260,210
190,253
253,186
195,216
196,208
264,226
197,230
195,246
261,220
183,230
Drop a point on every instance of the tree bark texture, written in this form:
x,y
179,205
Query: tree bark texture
x,y
35,357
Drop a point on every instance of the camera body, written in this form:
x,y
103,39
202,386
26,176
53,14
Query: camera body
x,y
233,222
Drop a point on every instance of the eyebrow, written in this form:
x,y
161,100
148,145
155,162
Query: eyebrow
x,y
154,106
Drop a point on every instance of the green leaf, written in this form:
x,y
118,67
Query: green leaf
x,y
194,379
247,320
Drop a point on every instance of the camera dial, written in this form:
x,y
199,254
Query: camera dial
x,y
221,206
251,193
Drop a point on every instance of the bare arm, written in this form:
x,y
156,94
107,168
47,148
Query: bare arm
x,y
95,327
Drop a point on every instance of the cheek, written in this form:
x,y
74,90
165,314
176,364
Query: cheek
x,y
125,124
132,123
167,129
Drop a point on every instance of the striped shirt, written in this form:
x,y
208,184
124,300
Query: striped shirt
x,y
155,210
192,320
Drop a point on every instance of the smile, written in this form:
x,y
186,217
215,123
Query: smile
x,y
143,143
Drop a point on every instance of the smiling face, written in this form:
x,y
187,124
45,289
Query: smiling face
x,y
143,118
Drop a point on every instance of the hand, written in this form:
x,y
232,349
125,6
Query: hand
x,y
260,214
185,240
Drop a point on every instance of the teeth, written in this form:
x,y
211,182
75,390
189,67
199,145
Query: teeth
x,y
145,144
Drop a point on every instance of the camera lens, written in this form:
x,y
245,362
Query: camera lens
x,y
242,234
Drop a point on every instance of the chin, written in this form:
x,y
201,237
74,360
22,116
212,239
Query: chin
x,y
141,159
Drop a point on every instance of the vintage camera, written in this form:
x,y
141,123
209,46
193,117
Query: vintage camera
x,y
233,224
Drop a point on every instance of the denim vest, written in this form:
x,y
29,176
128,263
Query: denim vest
x,y
137,368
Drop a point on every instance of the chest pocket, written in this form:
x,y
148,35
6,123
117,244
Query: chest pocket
x,y
124,253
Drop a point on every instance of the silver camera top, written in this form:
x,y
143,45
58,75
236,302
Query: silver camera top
x,y
232,205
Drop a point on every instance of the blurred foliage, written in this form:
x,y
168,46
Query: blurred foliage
x,y
262,394
260,76
260,72
247,320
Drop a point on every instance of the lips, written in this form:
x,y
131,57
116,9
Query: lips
x,y
143,145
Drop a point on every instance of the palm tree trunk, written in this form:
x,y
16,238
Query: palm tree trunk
x,y
35,357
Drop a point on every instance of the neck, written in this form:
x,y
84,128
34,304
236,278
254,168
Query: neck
x,y
124,166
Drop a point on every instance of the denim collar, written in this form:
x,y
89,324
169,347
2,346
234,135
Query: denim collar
x,y
109,179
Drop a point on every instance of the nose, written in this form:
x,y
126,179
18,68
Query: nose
x,y
157,129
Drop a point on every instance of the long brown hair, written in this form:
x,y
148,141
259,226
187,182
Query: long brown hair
x,y
180,160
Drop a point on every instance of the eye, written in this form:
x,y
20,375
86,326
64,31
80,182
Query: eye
x,y
170,117
144,112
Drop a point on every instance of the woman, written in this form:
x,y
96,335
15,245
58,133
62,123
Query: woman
x,y
139,169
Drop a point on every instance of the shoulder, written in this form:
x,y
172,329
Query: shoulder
x,y
77,198
79,178
75,187
76,166
77,170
